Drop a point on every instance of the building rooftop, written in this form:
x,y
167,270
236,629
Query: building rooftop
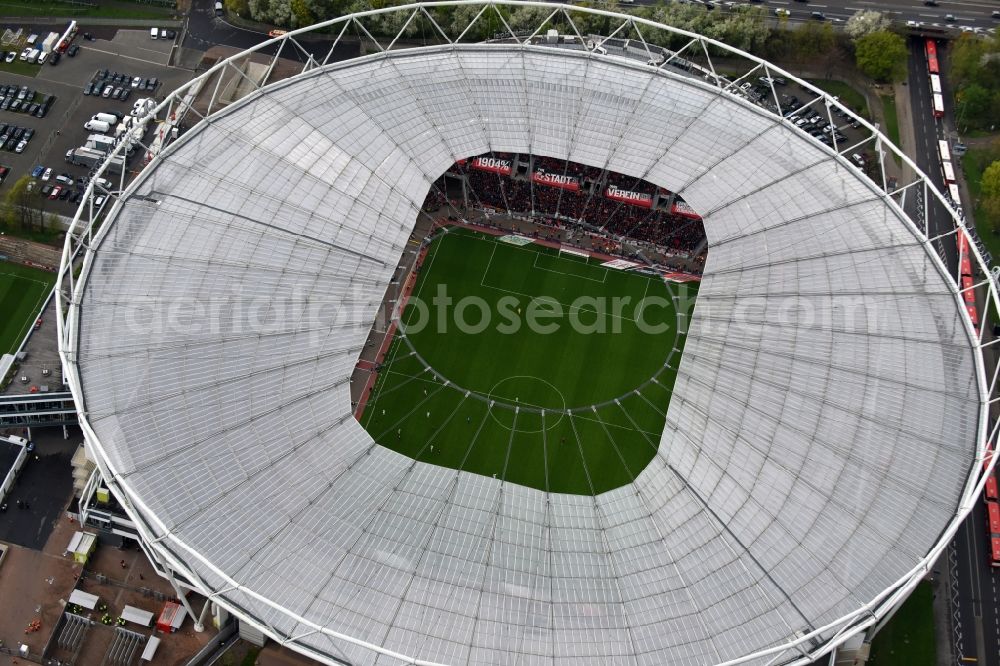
x,y
820,439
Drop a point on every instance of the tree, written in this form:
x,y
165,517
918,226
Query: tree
x,y
237,7
20,199
302,13
865,22
964,64
881,55
813,39
972,105
990,191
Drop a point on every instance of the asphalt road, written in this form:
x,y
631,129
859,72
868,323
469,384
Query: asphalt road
x,y
975,606
205,30
45,484
970,13
928,130
976,613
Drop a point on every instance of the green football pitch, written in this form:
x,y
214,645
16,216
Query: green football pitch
x,y
22,292
543,369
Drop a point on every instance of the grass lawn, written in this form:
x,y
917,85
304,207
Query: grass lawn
x,y
891,128
22,292
19,67
574,403
68,10
849,97
908,638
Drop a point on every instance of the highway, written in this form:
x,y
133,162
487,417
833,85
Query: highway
x,y
205,29
973,14
927,131
975,602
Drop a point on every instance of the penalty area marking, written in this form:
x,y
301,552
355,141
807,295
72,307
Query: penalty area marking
x,y
576,276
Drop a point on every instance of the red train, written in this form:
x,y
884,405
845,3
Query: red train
x,y
932,57
965,270
991,496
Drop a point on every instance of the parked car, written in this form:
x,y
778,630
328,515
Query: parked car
x,y
136,82
107,91
3,173
64,194
46,190
54,194
47,174
54,59
11,56
72,51
24,54
89,88
37,171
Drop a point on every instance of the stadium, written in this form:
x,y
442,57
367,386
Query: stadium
x,y
764,476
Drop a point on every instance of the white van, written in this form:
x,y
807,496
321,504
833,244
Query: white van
x,y
33,55
152,33
218,8
96,126
108,118
42,57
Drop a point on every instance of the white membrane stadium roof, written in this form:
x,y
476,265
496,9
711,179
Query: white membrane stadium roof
x,y
819,439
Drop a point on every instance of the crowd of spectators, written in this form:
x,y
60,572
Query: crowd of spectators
x,y
588,206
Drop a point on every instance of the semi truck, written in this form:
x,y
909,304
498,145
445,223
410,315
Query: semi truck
x,y
91,158
50,42
106,144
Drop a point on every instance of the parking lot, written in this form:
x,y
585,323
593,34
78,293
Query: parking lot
x,y
130,53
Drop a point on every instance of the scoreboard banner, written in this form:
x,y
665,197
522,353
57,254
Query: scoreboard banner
x,y
631,198
492,164
682,209
562,181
